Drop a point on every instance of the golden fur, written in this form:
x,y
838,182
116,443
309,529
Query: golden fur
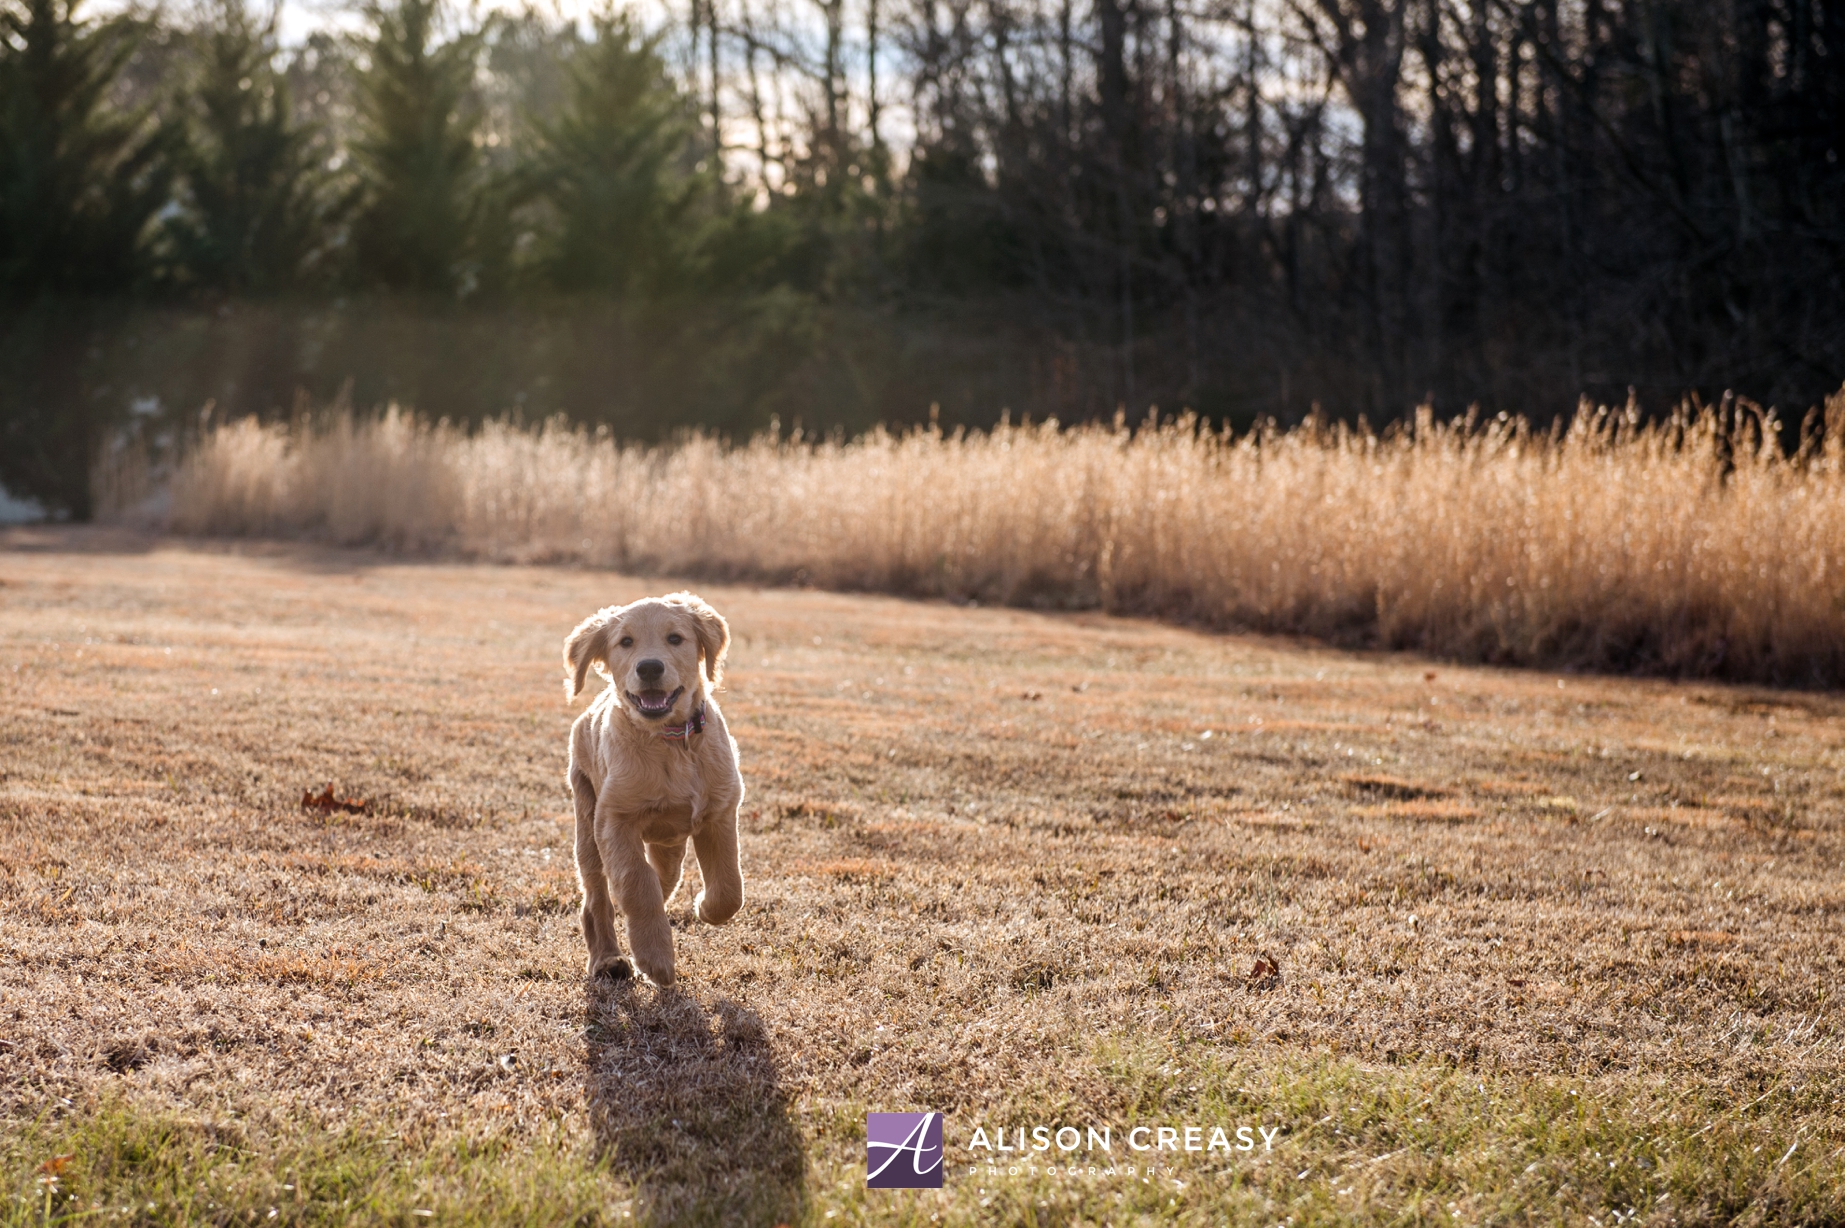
x,y
640,795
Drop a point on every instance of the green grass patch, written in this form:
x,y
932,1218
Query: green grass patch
x,y
1385,1145
117,1163
1356,1144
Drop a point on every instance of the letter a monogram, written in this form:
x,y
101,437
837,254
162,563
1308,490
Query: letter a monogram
x,y
903,1151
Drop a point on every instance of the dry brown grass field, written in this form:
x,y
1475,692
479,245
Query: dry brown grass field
x,y
1546,947
1690,546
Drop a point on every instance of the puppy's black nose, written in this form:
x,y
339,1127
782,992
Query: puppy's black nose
x,y
649,670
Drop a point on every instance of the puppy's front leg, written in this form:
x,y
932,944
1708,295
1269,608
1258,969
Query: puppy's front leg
x,y
598,912
721,866
637,890
668,861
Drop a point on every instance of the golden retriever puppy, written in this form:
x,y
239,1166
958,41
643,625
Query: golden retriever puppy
x,y
652,765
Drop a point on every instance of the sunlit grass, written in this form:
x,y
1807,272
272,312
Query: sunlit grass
x,y
1692,545
1546,948
119,1162
1364,1144
1352,1144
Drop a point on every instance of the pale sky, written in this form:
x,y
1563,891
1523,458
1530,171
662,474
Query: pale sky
x,y
301,18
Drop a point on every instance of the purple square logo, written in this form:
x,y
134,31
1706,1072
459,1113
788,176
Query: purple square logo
x,y
903,1151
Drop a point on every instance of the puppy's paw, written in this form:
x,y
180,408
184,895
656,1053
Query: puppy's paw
x,y
715,910
616,969
659,974
650,945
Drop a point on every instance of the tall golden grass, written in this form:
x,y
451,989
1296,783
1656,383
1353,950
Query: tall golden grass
x,y
1695,545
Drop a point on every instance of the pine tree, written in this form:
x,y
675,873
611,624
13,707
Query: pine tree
x,y
79,180
422,180
256,209
615,168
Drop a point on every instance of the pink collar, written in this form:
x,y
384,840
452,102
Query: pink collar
x,y
684,732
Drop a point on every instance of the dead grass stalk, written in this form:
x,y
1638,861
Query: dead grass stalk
x,y
1694,545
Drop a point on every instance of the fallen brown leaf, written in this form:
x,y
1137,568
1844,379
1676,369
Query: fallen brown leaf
x,y
325,802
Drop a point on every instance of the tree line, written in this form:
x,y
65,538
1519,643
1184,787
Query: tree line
x,y
425,157
845,210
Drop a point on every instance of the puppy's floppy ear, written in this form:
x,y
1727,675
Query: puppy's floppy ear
x,y
587,646
712,631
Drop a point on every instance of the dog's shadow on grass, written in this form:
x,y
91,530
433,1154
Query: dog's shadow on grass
x,y
688,1106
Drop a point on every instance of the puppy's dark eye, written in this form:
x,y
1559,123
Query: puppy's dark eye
x,y
675,638
627,641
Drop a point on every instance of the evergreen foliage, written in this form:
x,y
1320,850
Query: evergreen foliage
x,y
1243,209
422,182
79,178
615,171
256,211
80,181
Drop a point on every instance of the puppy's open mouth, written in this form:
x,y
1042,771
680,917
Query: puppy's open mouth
x,y
654,704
